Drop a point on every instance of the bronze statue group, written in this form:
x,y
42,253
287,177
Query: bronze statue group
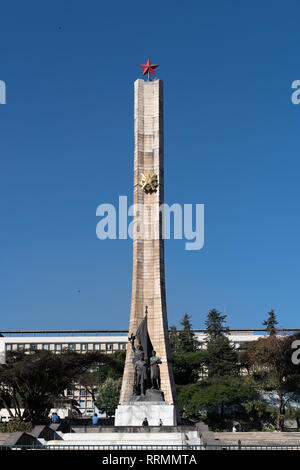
x,y
146,370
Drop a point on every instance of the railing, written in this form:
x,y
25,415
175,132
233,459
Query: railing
x,y
144,447
88,332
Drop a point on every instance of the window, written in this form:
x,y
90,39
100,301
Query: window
x,y
69,392
33,346
109,347
58,347
122,346
96,347
82,392
83,347
21,347
71,347
8,347
82,404
46,346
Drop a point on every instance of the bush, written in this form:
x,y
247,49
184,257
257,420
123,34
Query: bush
x,y
14,425
108,396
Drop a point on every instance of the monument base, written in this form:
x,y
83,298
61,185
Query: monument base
x,y
134,413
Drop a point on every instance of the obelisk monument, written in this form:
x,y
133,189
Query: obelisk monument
x,y
148,279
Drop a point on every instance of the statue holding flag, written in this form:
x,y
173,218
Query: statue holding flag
x,y
146,369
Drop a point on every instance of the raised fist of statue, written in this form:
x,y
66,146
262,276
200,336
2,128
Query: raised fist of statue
x,y
131,338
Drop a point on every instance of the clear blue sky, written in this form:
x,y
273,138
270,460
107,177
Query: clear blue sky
x,y
231,143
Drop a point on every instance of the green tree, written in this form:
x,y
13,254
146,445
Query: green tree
x,y
258,413
244,364
35,380
187,367
271,323
211,397
92,379
187,360
174,340
187,341
274,370
215,325
221,359
107,398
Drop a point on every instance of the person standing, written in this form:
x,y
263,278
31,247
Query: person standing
x,y
55,418
145,422
95,419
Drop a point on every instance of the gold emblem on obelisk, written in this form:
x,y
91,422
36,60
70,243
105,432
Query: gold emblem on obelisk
x,y
149,182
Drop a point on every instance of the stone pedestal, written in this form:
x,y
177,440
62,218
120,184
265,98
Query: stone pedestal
x,y
133,414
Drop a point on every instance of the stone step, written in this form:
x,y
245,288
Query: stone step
x,y
258,438
118,443
146,438
120,437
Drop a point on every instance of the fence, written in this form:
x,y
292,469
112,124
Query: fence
x,y
144,447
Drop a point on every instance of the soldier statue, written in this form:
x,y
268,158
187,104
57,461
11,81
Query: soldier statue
x,y
140,368
154,371
141,375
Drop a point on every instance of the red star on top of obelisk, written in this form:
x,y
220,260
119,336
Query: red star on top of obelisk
x,y
149,68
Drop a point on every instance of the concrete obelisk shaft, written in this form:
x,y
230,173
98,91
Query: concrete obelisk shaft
x,y
148,279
